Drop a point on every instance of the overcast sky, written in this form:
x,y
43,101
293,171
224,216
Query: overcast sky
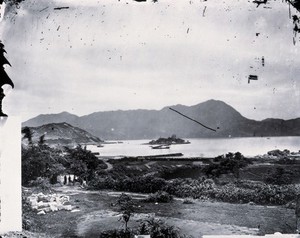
x,y
109,55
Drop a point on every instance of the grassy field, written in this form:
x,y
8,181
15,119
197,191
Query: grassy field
x,y
189,168
97,210
202,217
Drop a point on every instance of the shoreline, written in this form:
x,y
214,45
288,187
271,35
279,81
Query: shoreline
x,y
199,148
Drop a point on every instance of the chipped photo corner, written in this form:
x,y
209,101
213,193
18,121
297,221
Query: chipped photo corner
x,y
149,118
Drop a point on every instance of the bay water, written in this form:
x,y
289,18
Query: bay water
x,y
249,146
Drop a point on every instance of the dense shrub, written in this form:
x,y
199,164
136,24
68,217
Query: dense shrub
x,y
188,201
286,160
260,193
155,227
280,176
40,161
82,162
41,184
159,229
189,187
160,196
231,163
145,184
116,234
103,182
241,191
238,192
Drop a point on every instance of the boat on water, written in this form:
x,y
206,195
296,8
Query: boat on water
x,y
161,147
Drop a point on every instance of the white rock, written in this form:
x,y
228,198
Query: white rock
x,y
52,199
68,207
64,198
47,209
60,207
43,204
41,213
33,203
75,210
53,207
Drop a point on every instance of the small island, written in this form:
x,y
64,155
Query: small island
x,y
173,140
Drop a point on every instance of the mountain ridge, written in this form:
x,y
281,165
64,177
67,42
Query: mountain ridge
x,y
150,124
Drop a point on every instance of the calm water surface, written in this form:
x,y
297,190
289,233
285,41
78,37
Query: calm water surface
x,y
249,146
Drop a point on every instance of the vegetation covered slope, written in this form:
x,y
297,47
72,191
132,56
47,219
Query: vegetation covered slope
x,y
63,134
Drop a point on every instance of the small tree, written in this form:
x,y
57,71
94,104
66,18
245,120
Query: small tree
x,y
127,207
42,140
27,134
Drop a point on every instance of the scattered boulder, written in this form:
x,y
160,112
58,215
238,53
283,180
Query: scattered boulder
x,y
49,203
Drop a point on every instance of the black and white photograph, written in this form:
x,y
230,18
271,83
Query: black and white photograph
x,y
150,118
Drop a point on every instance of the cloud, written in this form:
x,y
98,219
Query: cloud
x,y
112,55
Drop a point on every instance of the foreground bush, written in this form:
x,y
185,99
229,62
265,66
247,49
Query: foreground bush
x,y
160,196
116,234
145,184
41,184
156,228
159,229
239,192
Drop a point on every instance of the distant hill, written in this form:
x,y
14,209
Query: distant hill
x,y
152,124
51,118
63,134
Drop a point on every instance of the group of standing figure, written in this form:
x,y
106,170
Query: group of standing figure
x,y
72,179
68,180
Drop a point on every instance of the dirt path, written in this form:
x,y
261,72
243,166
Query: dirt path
x,y
109,165
93,223
96,214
